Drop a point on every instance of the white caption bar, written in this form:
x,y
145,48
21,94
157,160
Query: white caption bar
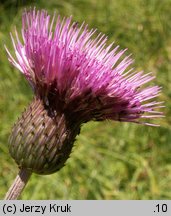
x,y
86,208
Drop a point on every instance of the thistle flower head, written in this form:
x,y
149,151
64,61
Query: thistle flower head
x,y
76,72
76,75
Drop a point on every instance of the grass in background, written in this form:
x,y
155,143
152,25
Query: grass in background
x,y
110,160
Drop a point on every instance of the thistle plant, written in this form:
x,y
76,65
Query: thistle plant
x,y
75,78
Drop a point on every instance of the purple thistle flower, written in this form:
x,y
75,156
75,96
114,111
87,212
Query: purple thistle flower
x,y
76,78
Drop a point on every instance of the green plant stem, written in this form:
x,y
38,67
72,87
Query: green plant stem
x,y
18,185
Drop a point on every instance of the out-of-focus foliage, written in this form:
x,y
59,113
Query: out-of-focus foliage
x,y
111,160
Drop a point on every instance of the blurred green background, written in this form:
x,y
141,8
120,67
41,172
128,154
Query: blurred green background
x,y
110,160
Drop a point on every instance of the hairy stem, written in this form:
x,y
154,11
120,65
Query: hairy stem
x,y
18,185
